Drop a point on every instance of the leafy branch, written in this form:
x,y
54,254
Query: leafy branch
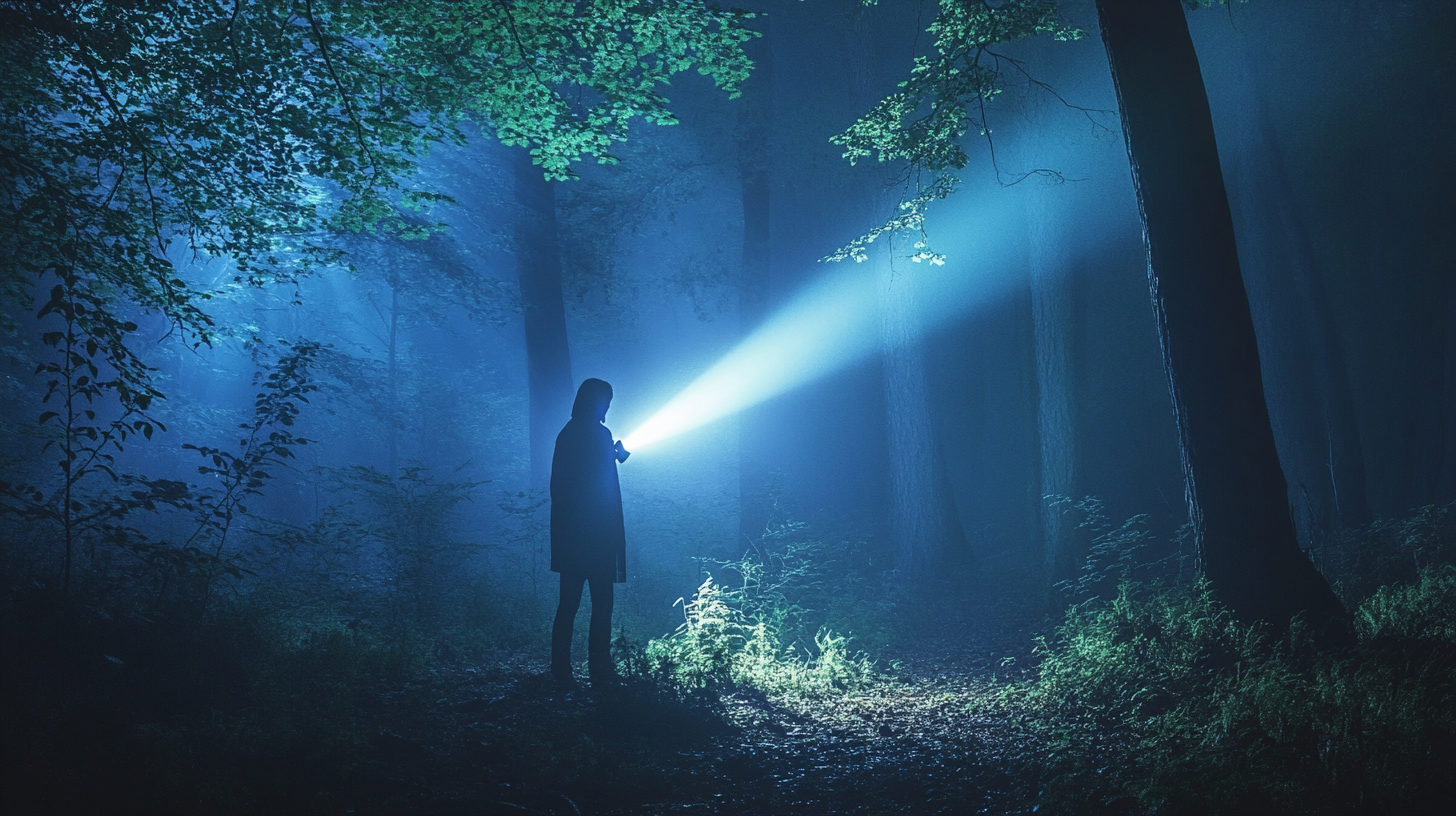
x,y
269,443
921,127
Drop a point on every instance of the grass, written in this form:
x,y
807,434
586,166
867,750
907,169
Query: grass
x,y
1152,699
1157,701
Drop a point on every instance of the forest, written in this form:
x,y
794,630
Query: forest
x,y
1015,406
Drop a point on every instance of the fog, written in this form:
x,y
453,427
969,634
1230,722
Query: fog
x,y
930,449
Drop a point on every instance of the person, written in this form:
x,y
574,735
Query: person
x,y
588,538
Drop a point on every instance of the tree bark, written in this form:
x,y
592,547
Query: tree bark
x,y
925,525
1235,489
548,360
392,429
1051,307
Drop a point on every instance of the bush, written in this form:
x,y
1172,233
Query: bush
x,y
728,639
1158,701
774,629
244,709
1361,560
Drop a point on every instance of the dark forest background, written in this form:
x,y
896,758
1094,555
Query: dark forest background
x,y
274,452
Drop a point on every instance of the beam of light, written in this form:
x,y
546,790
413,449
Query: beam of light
x,y
832,324
825,328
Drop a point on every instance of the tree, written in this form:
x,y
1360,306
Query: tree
x,y
252,133
924,522
1051,306
1235,489
255,133
755,163
548,357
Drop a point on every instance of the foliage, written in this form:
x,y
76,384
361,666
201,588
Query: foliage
x,y
920,127
729,640
775,629
243,708
1160,702
270,442
251,134
1389,551
128,125
92,363
1114,556
408,519
88,443
602,212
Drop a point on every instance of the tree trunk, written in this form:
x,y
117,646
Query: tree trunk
x,y
1282,244
1447,487
754,472
1051,307
392,429
548,361
925,525
1235,489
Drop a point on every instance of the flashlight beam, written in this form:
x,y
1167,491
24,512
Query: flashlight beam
x,y
829,326
832,324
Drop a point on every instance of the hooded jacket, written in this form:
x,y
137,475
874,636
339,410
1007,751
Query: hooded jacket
x,y
588,536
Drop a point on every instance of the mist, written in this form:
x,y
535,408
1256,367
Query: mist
x,y
1056,415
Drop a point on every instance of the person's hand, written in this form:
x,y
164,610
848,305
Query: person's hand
x,y
622,452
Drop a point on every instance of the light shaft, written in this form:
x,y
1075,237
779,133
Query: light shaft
x,y
827,327
832,324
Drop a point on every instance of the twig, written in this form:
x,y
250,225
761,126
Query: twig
x,y
339,85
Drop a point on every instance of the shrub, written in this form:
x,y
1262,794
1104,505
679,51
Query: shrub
x,y
1157,701
1390,551
775,628
730,638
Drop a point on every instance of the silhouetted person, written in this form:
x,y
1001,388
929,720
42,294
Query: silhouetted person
x,y
588,539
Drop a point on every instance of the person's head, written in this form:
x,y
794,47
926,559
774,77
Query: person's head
x,y
592,400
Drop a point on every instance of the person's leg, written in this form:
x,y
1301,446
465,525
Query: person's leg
x,y
599,636
561,630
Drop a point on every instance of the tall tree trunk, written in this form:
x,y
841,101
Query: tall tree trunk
x,y
548,361
754,473
1447,486
1283,258
1235,489
925,524
392,429
1051,307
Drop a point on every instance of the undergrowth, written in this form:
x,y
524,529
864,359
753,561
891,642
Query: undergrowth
x,y
1156,700
239,710
777,628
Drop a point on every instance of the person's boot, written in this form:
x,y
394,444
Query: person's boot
x,y
561,661
602,671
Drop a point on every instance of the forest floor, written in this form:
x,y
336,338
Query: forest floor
x,y
199,718
923,738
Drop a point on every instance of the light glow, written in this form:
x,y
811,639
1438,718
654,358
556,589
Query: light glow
x,y
831,325
825,328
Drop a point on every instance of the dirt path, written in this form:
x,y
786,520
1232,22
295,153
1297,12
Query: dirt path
x,y
927,738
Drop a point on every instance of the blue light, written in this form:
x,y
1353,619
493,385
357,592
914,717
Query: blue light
x,y
832,324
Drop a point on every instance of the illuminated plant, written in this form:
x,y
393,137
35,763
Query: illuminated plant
x,y
758,632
